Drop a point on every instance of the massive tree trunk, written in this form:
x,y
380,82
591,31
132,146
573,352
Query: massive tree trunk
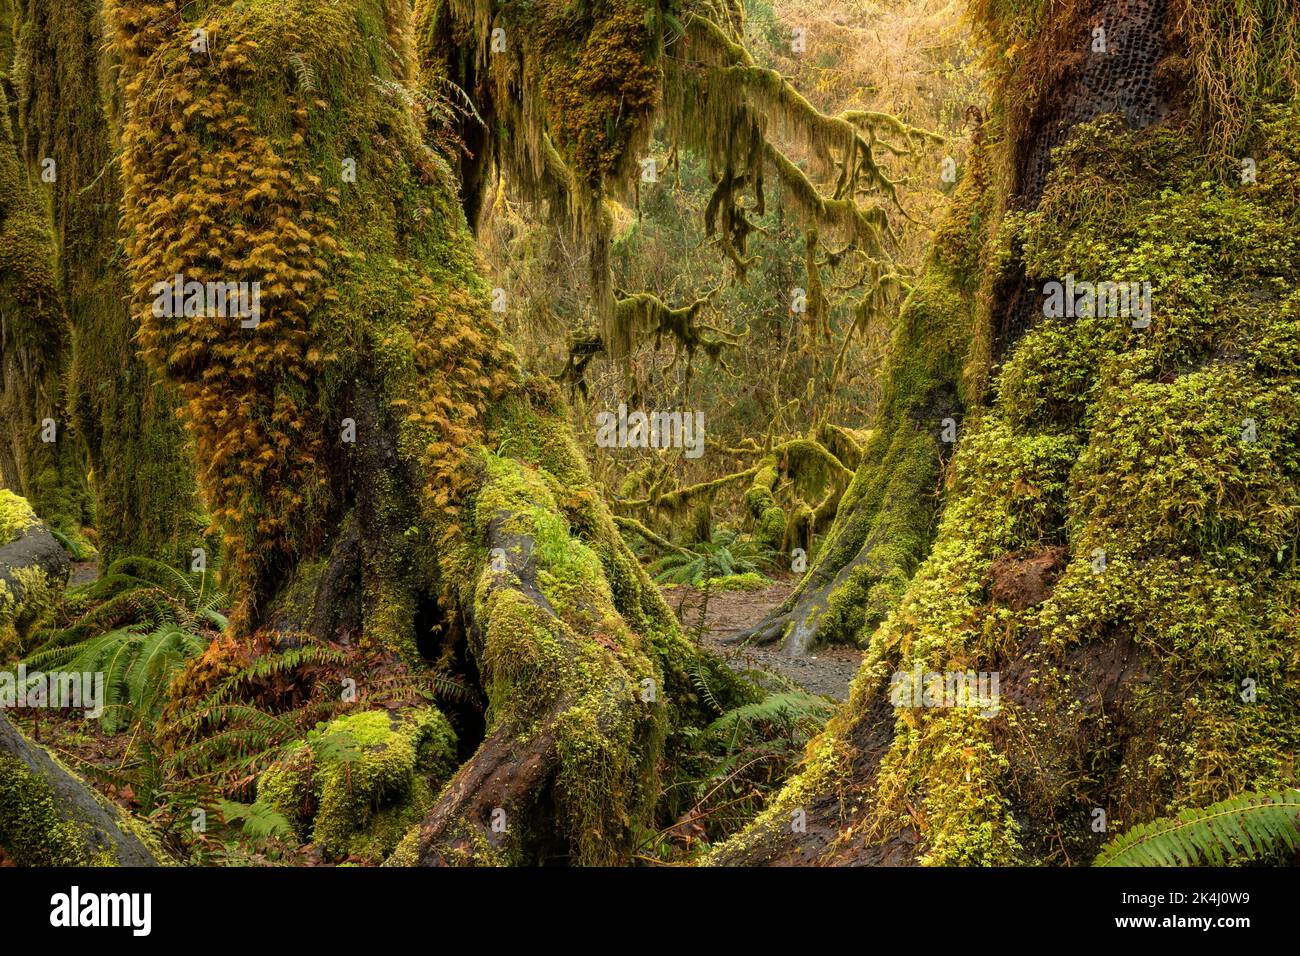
x,y
1116,540
145,498
41,458
383,472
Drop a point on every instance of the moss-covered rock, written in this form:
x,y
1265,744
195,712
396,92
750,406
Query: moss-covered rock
x,y
356,785
33,571
31,831
16,516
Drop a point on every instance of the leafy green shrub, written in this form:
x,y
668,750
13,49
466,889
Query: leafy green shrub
x,y
723,557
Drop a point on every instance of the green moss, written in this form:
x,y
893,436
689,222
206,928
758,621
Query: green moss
x,y
49,473
1131,447
885,520
355,786
16,516
749,581
535,655
31,831
573,665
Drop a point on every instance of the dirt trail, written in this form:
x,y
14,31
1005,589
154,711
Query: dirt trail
x,y
827,670
83,572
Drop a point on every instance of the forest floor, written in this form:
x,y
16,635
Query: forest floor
x,y
827,670
83,572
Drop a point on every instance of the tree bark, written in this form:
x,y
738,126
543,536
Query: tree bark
x,y
41,458
1047,567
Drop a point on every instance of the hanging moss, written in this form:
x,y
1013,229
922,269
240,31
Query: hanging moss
x,y
568,95
884,521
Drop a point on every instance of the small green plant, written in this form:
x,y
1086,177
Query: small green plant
x,y
1252,826
725,556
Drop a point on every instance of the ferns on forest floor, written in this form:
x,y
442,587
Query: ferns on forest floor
x,y
792,714
739,760
134,591
137,667
726,555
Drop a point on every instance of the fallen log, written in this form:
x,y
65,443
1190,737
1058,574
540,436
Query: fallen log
x,y
50,817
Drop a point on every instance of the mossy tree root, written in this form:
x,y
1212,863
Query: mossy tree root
x,y
512,766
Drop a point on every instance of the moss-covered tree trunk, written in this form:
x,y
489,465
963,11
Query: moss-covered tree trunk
x,y
142,471
41,457
383,473
884,521
1103,628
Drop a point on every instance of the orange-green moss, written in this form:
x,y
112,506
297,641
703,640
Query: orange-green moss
x,y
234,165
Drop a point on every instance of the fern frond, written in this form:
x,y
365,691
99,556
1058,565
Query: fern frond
x,y
794,708
1249,826
273,665
702,683
304,72
257,819
137,667
157,573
